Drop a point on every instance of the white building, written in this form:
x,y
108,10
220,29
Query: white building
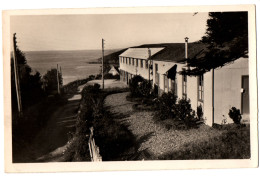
x,y
216,91
113,70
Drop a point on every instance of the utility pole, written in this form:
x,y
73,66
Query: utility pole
x,y
186,51
17,80
103,63
149,62
58,83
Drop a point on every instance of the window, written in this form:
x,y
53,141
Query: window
x,y
156,68
156,74
200,88
166,83
174,86
130,61
146,64
137,62
184,86
142,64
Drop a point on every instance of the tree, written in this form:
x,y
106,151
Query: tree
x,y
226,39
50,81
30,84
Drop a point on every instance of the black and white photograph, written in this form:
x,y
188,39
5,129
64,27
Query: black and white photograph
x,y
124,86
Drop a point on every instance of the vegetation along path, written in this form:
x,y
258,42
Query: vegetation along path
x,y
50,142
156,141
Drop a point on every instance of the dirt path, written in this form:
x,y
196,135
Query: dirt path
x,y
154,138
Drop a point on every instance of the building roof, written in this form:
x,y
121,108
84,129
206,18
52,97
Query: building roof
x,y
112,67
176,51
141,53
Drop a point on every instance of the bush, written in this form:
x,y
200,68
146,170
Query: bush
x,y
133,85
185,113
110,76
50,81
183,109
87,90
139,87
145,88
90,108
72,87
235,115
182,114
98,76
165,105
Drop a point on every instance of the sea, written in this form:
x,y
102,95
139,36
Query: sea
x,y
76,64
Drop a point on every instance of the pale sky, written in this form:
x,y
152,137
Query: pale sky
x,y
82,32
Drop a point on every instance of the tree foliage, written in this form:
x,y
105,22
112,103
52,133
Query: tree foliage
x,y
30,84
50,81
227,40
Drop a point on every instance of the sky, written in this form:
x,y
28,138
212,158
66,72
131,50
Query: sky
x,y
84,32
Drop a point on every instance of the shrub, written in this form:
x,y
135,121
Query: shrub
x,y
199,112
155,90
110,76
72,87
133,85
235,115
98,76
184,112
145,88
95,89
50,81
139,87
90,108
165,105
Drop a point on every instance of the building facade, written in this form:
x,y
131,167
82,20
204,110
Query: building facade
x,y
215,91
135,61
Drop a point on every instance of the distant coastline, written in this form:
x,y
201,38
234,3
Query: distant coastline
x,y
94,62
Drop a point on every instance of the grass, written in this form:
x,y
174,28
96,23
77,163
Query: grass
x,y
233,143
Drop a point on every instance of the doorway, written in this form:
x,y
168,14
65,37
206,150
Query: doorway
x,y
245,95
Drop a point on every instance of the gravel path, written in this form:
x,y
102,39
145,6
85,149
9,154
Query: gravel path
x,y
153,137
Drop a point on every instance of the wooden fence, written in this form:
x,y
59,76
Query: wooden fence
x,y
93,149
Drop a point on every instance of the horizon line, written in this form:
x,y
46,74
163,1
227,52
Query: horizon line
x,y
68,50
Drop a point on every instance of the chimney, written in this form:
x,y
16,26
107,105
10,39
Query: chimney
x,y
186,47
149,53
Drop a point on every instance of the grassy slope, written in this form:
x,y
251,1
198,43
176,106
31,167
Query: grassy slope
x,y
234,143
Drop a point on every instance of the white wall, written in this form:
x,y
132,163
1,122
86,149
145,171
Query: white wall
x,y
207,104
228,82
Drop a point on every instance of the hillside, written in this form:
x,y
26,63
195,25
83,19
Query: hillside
x,y
113,57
